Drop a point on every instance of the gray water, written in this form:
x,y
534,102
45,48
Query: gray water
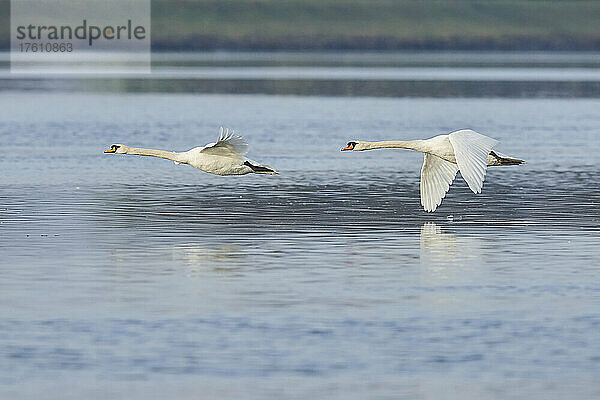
x,y
132,277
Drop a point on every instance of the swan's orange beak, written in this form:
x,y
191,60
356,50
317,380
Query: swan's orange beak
x,y
349,147
111,150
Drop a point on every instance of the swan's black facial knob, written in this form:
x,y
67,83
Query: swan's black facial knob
x,y
113,149
349,146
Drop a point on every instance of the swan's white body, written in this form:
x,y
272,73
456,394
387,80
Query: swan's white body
x,y
466,151
223,157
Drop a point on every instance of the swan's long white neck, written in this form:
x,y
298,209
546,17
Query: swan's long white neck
x,y
169,155
417,145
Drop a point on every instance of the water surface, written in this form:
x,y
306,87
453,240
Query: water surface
x,y
129,277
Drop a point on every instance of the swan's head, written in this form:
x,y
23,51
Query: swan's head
x,y
355,145
117,148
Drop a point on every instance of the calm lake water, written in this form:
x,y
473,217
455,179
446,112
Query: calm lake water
x,y
131,277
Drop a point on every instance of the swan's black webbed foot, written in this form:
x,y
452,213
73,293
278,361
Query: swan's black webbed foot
x,y
258,168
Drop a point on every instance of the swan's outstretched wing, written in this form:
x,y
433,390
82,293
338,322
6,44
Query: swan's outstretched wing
x,y
437,175
229,145
471,150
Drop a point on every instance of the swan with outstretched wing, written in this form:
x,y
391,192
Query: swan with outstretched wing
x,y
466,151
226,156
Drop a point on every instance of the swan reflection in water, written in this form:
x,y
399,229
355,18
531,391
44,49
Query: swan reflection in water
x,y
192,259
444,252
451,266
199,258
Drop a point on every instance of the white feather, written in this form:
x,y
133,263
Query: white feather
x,y
471,150
436,177
228,145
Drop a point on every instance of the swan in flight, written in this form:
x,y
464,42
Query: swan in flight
x,y
224,157
465,150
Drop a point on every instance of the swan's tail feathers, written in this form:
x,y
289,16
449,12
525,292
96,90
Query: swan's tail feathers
x,y
260,169
506,160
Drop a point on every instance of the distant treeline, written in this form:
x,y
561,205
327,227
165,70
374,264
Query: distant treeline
x,y
184,25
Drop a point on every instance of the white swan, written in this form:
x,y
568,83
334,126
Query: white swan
x,y
224,157
466,151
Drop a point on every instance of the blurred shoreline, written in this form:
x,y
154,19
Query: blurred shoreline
x,y
376,74
330,25
356,58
